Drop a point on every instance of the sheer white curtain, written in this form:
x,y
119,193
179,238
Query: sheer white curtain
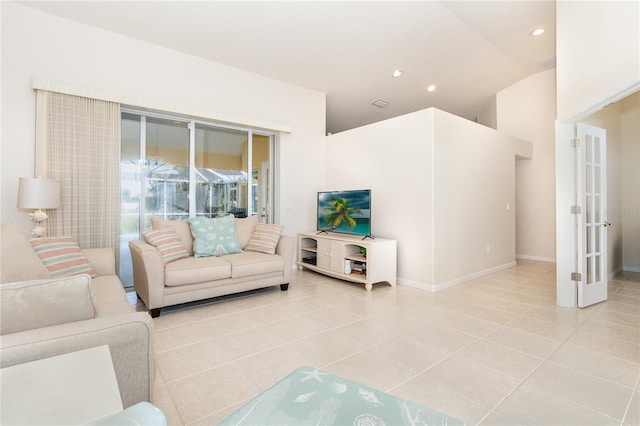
x,y
78,143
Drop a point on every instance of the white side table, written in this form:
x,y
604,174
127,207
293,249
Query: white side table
x,y
74,388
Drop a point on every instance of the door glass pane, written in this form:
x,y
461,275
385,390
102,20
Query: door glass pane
x,y
597,248
597,210
589,209
589,239
260,190
129,192
596,150
221,177
598,261
167,169
589,149
596,177
589,180
589,270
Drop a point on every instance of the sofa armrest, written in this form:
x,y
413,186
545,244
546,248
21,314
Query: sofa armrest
x,y
285,248
103,260
129,337
148,273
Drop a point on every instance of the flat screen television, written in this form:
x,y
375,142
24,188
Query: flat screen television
x,y
347,212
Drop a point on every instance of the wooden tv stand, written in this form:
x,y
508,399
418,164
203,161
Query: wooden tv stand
x,y
328,253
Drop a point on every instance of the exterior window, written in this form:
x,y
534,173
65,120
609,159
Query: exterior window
x,y
176,168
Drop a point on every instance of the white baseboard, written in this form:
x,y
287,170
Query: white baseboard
x,y
441,286
536,258
613,274
416,284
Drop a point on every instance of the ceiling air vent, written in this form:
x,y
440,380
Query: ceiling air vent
x,y
380,103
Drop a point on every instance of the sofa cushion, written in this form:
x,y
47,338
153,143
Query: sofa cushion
x,y
110,297
167,242
35,304
247,264
18,261
265,238
181,227
244,229
62,256
194,270
215,236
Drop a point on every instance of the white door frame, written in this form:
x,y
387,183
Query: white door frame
x,y
566,226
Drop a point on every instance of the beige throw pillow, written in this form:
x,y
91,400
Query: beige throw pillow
x,y
18,261
244,229
35,304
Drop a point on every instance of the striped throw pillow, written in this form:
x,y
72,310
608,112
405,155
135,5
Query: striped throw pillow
x,y
62,257
265,238
168,243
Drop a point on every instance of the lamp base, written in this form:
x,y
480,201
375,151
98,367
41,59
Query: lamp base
x,y
38,217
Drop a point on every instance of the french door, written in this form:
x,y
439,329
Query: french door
x,y
592,230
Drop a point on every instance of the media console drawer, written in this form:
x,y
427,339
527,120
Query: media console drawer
x,y
349,257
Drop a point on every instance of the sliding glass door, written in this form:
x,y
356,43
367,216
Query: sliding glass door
x,y
176,168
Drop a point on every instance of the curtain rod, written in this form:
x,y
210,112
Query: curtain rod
x,y
104,95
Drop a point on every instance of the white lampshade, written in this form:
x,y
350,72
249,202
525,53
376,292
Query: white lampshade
x,y
36,193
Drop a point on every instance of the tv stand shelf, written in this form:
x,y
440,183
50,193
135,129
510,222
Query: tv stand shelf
x,y
348,257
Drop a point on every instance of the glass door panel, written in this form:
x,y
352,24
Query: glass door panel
x,y
166,189
221,176
260,182
130,126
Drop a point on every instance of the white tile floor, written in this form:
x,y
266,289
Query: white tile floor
x,y
496,350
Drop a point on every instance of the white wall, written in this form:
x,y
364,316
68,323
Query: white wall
x,y
474,201
629,214
609,119
598,53
394,158
440,187
621,120
527,110
35,44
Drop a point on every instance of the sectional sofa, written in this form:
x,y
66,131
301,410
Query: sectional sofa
x,y
41,316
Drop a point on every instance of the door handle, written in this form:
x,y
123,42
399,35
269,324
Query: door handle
x,y
606,223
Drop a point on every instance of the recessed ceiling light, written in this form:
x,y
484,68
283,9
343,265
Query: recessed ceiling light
x,y
537,32
431,88
397,73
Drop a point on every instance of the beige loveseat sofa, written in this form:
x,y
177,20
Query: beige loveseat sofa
x,y
197,278
43,317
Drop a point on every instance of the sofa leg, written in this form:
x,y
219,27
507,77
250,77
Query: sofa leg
x,y
284,287
155,312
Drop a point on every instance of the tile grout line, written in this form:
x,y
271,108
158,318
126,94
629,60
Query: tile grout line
x,y
544,361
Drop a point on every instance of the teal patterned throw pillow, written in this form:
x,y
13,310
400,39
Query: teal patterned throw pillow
x,y
214,237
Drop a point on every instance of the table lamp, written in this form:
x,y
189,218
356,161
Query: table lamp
x,y
38,194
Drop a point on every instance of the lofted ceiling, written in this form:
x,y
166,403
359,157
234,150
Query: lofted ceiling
x,y
348,49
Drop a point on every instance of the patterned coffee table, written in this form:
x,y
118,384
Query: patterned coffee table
x,y
308,396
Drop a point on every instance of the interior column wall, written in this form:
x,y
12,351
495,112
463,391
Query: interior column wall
x,y
527,110
629,214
